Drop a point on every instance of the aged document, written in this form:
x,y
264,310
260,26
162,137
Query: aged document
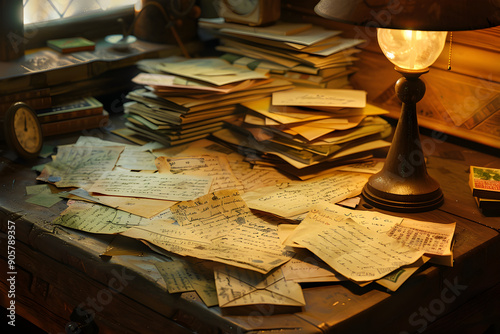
x,y
375,221
80,166
133,157
305,268
144,207
184,276
311,97
212,70
241,287
395,279
136,159
433,238
95,218
218,227
353,250
159,186
296,197
215,166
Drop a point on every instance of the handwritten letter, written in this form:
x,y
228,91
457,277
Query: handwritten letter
x,y
353,250
160,186
80,166
295,198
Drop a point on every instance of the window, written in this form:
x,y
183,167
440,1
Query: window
x,y
36,11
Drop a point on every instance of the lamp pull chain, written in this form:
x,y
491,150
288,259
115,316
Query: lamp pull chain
x,y
449,52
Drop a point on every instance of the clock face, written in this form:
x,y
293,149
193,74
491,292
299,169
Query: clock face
x,y
23,131
26,130
242,7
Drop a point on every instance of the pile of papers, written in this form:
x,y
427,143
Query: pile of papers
x,y
238,236
304,54
187,99
304,130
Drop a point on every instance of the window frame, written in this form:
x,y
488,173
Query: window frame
x,y
92,26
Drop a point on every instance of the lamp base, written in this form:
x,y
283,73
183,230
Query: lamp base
x,y
430,196
403,184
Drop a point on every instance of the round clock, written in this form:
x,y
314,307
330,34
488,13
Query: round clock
x,y
250,12
23,132
242,7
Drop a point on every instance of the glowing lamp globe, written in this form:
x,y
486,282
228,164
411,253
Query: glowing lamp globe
x,y
411,49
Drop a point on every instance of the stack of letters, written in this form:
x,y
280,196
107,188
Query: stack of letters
x,y
187,99
304,130
304,54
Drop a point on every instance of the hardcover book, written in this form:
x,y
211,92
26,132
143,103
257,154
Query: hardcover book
x,y
67,45
485,182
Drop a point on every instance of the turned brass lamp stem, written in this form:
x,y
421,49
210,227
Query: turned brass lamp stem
x,y
403,184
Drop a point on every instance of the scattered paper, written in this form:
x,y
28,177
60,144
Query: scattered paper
x,y
212,70
297,197
95,218
395,279
353,250
240,287
44,199
306,268
432,238
373,220
218,227
37,189
311,97
80,166
183,276
215,166
159,186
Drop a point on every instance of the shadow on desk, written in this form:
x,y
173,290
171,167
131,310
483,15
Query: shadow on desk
x,y
23,326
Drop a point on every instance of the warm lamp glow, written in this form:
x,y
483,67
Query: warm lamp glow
x,y
411,49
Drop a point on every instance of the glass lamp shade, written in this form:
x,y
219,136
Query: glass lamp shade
x,y
411,49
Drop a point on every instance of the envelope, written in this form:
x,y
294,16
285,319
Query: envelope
x,y
238,287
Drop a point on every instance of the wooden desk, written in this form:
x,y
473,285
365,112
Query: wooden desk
x,y
59,270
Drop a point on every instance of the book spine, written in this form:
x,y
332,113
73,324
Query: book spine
x,y
73,125
70,115
35,103
22,96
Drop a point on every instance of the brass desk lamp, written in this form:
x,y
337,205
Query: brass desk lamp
x,y
412,35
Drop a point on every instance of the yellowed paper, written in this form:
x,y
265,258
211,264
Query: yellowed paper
x,y
371,167
305,267
144,207
311,97
80,166
433,238
218,227
353,250
181,276
240,287
395,279
136,159
159,186
373,220
95,218
215,166
297,197
256,178
212,70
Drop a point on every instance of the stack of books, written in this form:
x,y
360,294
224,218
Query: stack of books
x,y
75,115
35,98
304,54
183,100
304,131
485,185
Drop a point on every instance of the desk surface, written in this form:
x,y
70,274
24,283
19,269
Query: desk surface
x,y
59,270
